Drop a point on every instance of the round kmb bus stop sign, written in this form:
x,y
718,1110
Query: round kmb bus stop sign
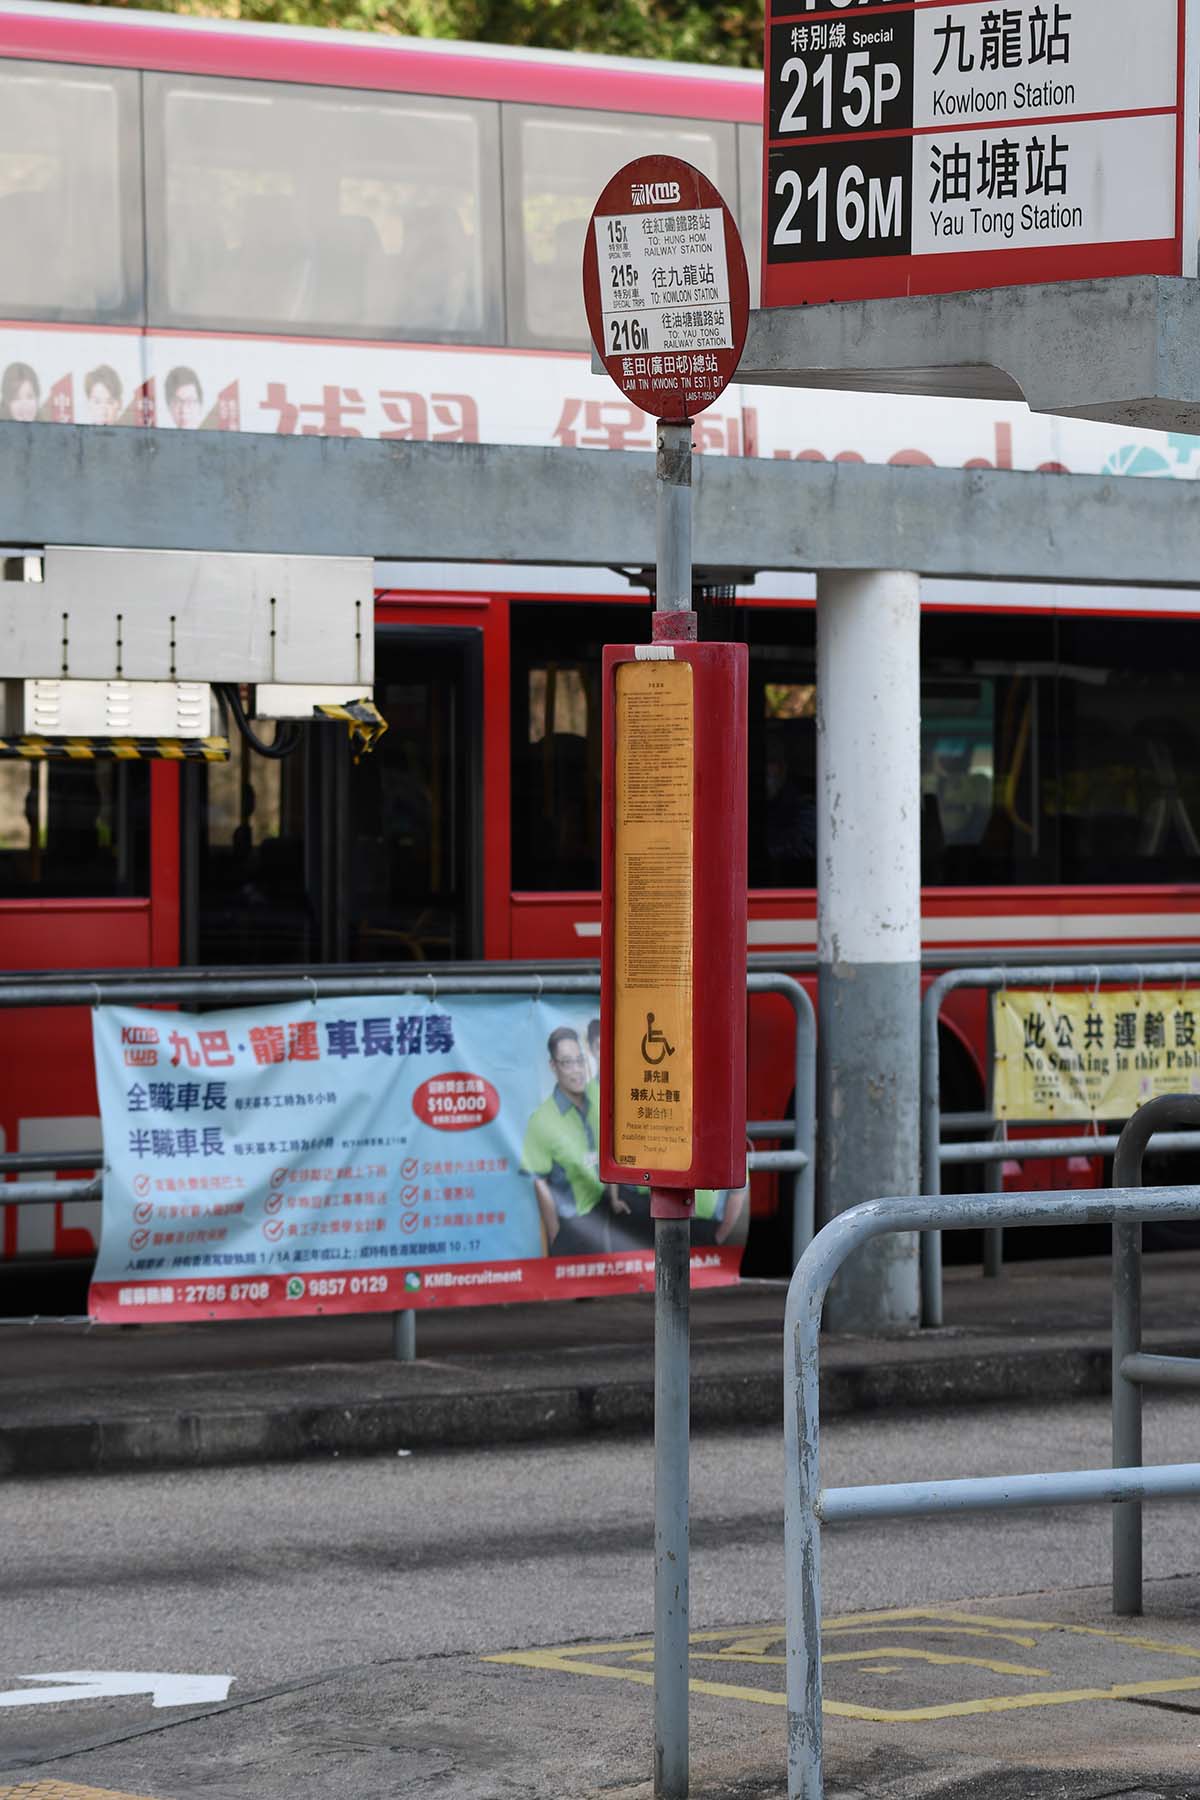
x,y
666,288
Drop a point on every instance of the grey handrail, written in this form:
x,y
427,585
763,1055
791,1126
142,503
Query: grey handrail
x,y
1127,1376
803,1500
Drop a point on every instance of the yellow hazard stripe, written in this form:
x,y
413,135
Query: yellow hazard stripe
x,y
91,749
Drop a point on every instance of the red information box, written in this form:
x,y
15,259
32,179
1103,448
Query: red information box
x,y
673,1006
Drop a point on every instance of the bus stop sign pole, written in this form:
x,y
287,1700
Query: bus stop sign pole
x,y
667,299
671,1210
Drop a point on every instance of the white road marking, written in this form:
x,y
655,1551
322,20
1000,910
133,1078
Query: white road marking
x,y
105,1684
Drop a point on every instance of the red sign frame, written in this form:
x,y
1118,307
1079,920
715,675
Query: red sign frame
x,y
719,912
812,282
653,186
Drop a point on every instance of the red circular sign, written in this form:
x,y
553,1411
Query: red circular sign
x,y
666,288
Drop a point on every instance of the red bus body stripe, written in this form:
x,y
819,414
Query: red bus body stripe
x,y
376,65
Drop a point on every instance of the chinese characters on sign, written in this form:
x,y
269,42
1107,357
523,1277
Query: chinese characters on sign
x,y
1037,140
366,1155
652,988
1097,1055
665,287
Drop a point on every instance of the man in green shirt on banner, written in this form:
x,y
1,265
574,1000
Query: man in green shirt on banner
x,y
561,1153
716,1214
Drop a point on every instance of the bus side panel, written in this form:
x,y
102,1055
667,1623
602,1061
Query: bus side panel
x,y
47,1081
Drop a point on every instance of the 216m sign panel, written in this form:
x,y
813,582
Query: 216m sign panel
x,y
914,147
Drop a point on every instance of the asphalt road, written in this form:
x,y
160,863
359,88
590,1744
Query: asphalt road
x,y
424,1563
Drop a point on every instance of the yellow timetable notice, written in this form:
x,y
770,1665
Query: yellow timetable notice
x,y
652,989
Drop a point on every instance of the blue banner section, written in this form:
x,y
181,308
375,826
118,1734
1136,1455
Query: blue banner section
x,y
364,1154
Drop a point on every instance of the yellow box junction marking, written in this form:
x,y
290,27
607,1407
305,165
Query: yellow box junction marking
x,y
61,1790
887,1654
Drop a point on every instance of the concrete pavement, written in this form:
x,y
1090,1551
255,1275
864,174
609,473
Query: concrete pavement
x,y
1032,1698
109,1399
476,1626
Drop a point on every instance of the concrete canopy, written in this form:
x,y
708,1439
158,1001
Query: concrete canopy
x,y
415,502
1123,351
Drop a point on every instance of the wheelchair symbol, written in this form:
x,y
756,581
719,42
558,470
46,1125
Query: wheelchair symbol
x,y
658,1041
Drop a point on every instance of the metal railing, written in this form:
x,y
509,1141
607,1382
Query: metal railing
x,y
807,1506
993,1152
200,987
1132,1368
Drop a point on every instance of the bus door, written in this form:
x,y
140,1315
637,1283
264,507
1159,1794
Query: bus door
x,y
315,858
413,867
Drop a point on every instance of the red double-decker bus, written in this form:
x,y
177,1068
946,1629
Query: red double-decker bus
x,y
230,228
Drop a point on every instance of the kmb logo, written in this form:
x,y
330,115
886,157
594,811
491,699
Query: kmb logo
x,y
654,193
140,1034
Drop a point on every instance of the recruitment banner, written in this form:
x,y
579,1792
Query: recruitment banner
x,y
367,1155
1099,1054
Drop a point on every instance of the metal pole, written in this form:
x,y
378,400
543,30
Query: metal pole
x,y
802,1533
672,1277
804,1188
673,492
404,1336
993,1241
993,1180
931,1165
671,1210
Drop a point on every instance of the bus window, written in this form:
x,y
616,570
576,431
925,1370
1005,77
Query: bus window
x,y
328,212
989,750
750,183
782,748
70,210
555,164
556,756
413,889
70,829
1129,788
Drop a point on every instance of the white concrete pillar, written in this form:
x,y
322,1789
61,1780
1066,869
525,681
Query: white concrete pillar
x,y
869,927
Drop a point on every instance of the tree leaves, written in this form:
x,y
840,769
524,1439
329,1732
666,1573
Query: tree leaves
x,y
699,31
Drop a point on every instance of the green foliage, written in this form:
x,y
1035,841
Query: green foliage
x,y
701,31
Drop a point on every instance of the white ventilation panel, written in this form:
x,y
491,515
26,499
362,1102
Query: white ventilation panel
x,y
116,709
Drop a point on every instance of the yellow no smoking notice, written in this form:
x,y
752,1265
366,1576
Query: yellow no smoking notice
x,y
653,875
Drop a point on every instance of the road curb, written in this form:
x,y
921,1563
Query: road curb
x,y
224,1436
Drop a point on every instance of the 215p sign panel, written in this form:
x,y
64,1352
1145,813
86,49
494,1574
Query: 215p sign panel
x,y
915,147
